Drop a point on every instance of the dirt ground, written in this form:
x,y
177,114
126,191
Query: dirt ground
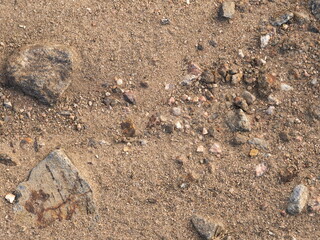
x,y
141,190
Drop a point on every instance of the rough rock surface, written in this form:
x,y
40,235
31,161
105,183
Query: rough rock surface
x,y
315,8
42,71
228,9
208,229
54,191
298,199
239,121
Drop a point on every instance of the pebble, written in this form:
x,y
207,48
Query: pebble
x,y
228,9
249,97
128,128
239,139
208,229
282,19
270,110
215,148
260,143
129,97
253,152
119,81
200,149
178,125
261,169
273,100
10,197
164,21
7,104
298,199
176,111
285,87
7,160
239,121
264,40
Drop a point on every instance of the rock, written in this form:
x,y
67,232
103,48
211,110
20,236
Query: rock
x,y
253,152
228,9
284,137
168,128
259,143
285,87
42,71
298,199
128,128
129,97
53,191
7,104
241,103
264,40
215,148
200,149
267,83
261,169
315,8
176,111
270,110
249,97
10,197
239,139
301,17
239,121
208,77
282,19
6,160
165,21
208,229
314,111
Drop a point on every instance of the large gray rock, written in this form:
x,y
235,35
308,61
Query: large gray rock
x,y
315,8
53,191
298,199
42,71
209,229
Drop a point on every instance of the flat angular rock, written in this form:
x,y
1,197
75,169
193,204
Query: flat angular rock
x,y
53,191
42,71
207,229
298,199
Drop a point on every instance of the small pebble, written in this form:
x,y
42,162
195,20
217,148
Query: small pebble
x,y
10,197
264,40
228,9
298,199
215,148
285,87
200,149
176,111
253,152
261,169
270,110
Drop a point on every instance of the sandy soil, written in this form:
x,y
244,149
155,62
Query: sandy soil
x,y
138,188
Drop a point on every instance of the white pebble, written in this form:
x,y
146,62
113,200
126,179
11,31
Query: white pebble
x,y
285,87
10,197
264,40
270,110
